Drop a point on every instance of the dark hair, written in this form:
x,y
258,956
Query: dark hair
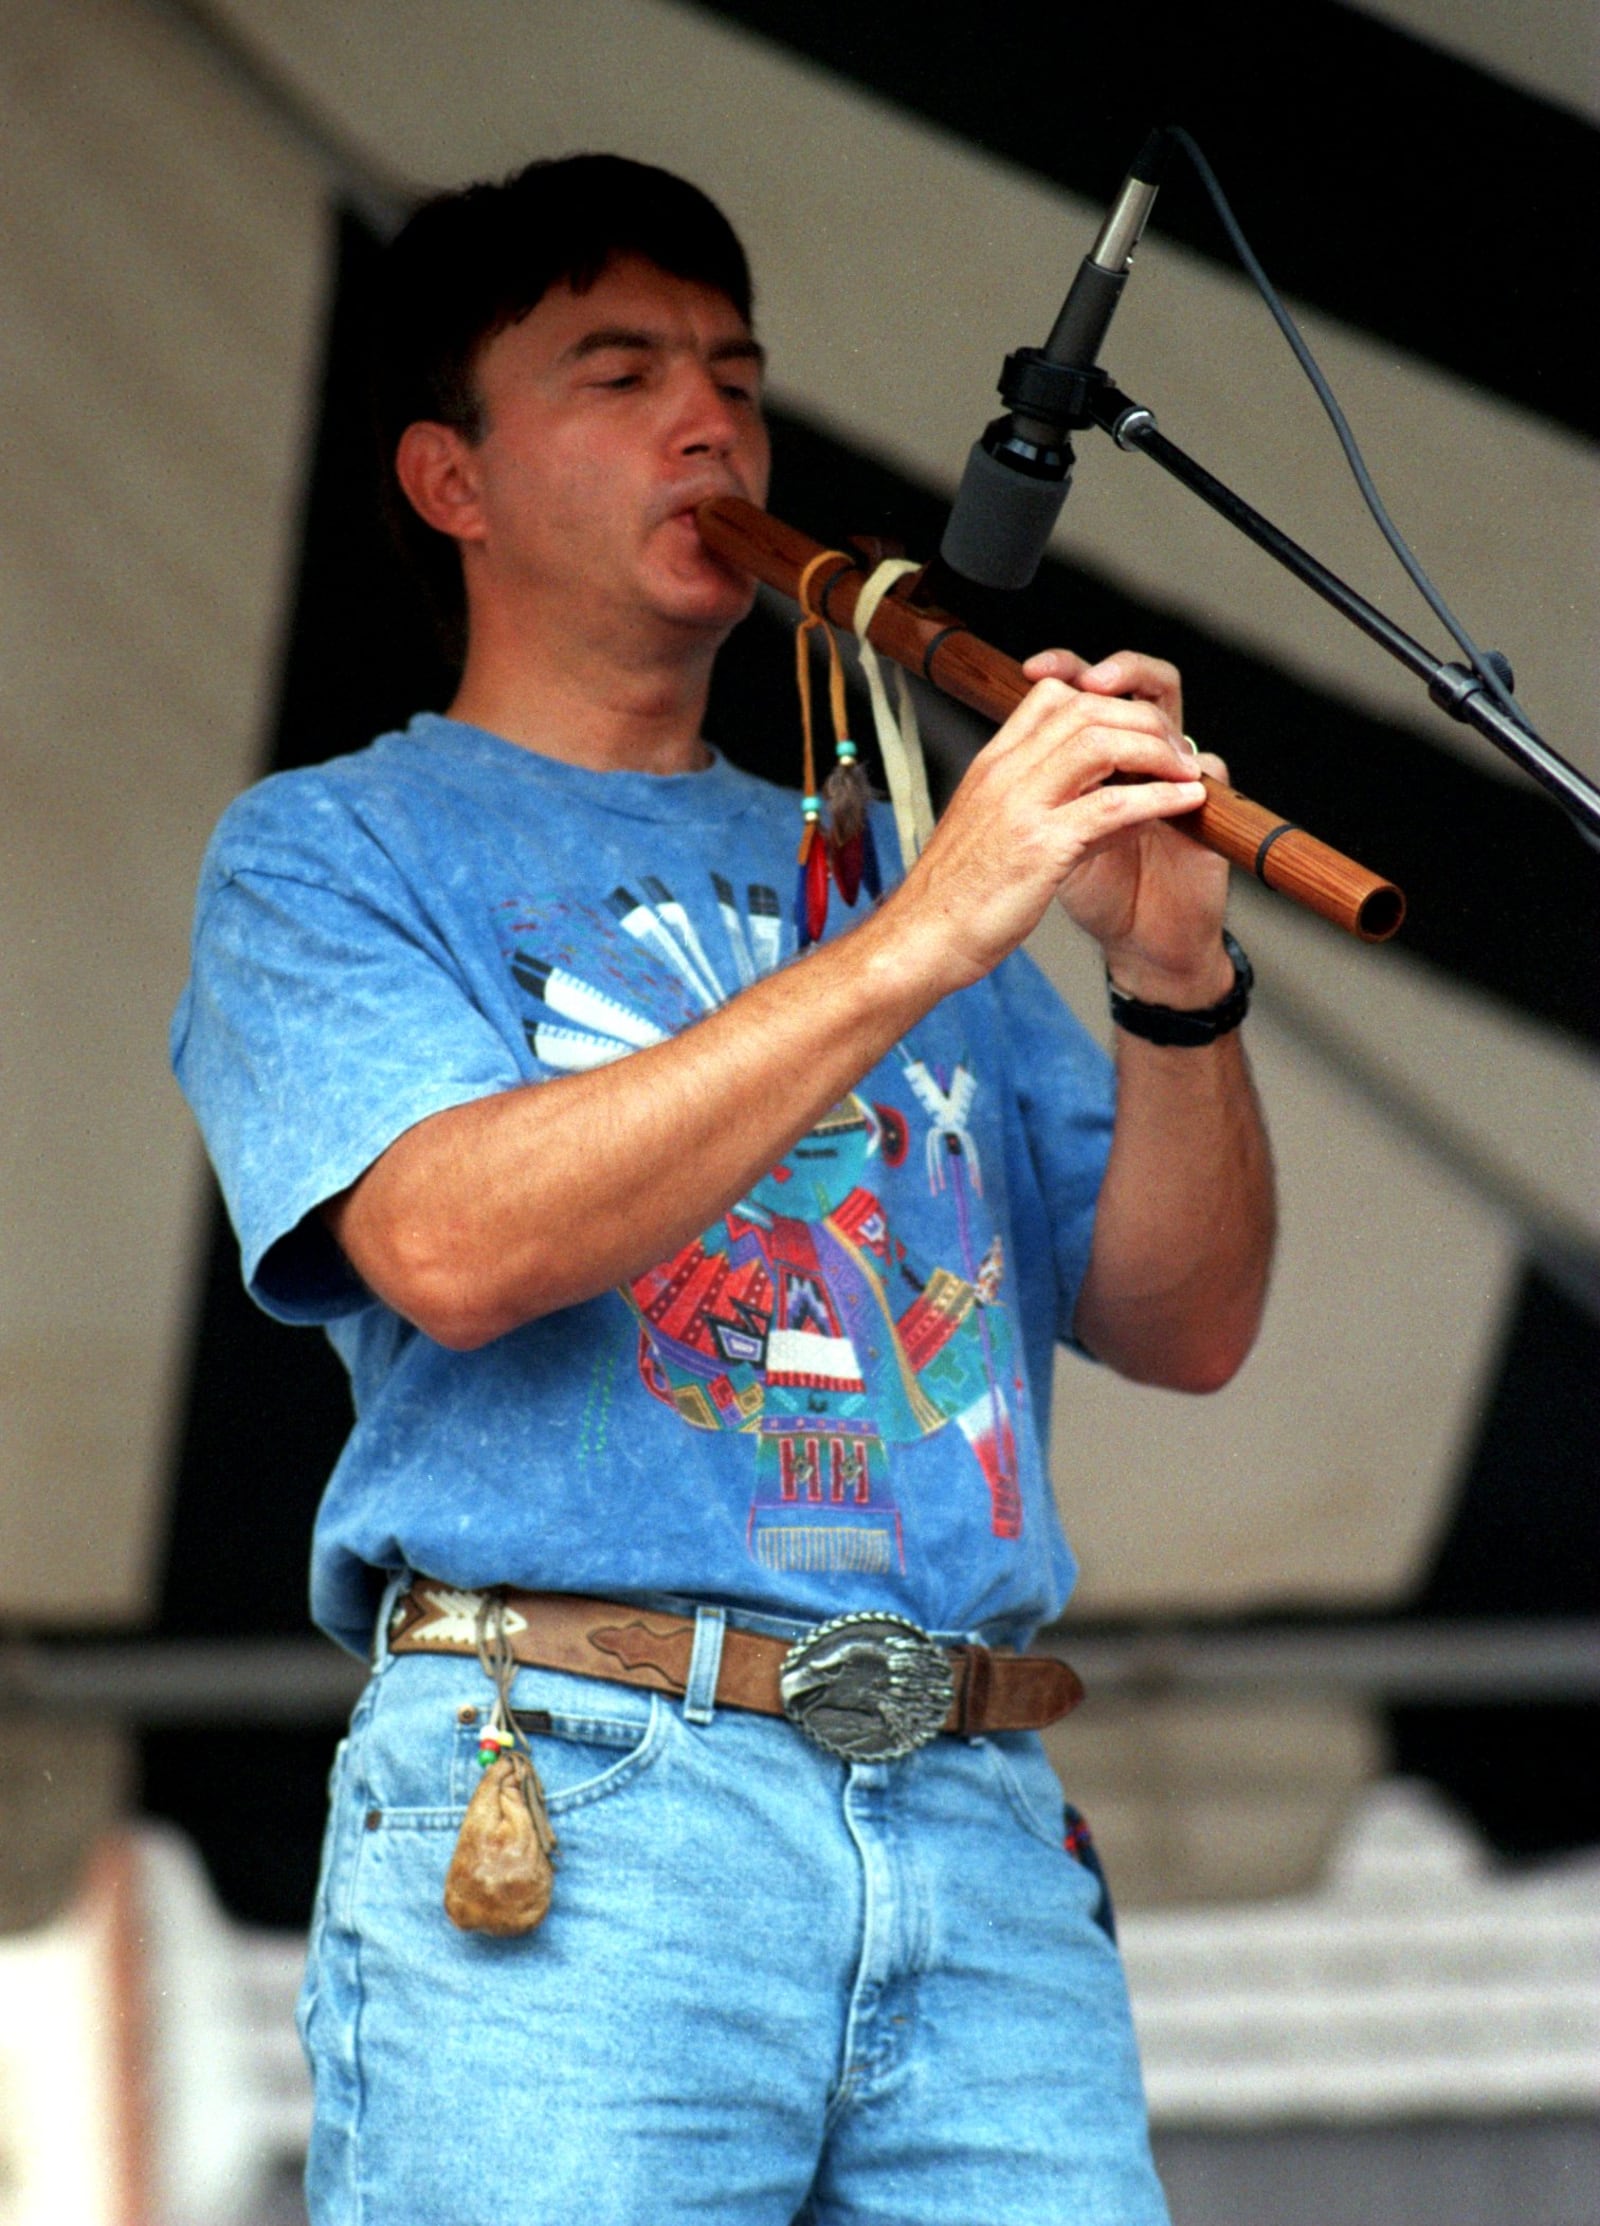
x,y
473,262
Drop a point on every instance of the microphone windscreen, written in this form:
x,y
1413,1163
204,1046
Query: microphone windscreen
x,y
1001,522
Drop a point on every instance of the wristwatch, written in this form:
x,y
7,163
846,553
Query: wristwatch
x,y
1169,1024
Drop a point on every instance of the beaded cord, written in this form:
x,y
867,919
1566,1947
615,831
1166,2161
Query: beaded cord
x,y
845,845
502,1734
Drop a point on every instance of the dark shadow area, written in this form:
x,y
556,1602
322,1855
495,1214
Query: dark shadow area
x,y
1523,1540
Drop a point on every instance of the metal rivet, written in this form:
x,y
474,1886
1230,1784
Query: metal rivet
x,y
374,1819
466,1714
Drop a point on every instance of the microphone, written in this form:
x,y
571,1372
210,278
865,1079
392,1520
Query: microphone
x,y
1018,473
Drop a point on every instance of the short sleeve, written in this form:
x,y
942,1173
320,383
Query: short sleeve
x,y
1064,1087
318,1024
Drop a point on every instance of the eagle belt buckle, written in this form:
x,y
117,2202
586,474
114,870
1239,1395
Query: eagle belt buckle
x,y
869,1688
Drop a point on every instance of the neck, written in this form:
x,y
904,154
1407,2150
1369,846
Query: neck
x,y
617,705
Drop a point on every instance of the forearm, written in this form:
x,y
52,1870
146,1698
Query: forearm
x,y
498,1211
1184,1230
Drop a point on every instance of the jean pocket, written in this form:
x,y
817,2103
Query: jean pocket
x,y
1029,1782
584,1749
1037,1802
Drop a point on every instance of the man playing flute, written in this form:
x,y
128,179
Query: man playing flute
x,y
698,1294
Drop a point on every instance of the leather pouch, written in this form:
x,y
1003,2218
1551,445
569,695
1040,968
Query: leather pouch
x,y
503,1868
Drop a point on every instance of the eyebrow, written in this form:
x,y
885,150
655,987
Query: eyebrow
x,y
603,337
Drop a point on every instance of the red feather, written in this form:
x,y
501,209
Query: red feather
x,y
847,859
816,891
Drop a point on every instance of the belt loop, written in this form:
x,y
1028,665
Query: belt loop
x,y
705,1665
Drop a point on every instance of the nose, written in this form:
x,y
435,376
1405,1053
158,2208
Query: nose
x,y
706,423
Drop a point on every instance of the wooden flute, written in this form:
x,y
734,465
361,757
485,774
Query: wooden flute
x,y
940,648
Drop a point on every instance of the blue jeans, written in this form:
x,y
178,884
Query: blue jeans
x,y
772,1987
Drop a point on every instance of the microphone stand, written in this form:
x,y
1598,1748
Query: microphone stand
x,y
1455,688
1017,477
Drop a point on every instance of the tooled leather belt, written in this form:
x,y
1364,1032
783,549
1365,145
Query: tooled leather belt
x,y
868,1686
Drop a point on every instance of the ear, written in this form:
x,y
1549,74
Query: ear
x,y
436,468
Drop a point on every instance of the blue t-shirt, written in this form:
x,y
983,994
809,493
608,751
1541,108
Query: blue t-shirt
x,y
837,1397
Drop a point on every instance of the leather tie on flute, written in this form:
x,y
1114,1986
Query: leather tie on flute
x,y
943,650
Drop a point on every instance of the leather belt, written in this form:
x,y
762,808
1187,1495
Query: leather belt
x,y
819,1682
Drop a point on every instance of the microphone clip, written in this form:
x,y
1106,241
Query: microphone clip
x,y
1046,403
1057,398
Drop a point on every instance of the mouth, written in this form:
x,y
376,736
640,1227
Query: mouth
x,y
686,501
684,525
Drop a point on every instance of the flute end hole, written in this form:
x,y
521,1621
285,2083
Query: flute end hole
x,y
1381,914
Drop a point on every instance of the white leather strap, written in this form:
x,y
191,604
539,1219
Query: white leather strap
x,y
898,739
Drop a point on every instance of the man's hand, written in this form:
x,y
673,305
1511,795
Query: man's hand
x,y
1069,800
1155,902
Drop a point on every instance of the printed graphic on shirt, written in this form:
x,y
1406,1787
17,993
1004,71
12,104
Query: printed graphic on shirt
x,y
800,1320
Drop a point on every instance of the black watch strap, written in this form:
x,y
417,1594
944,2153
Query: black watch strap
x,y
1169,1024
